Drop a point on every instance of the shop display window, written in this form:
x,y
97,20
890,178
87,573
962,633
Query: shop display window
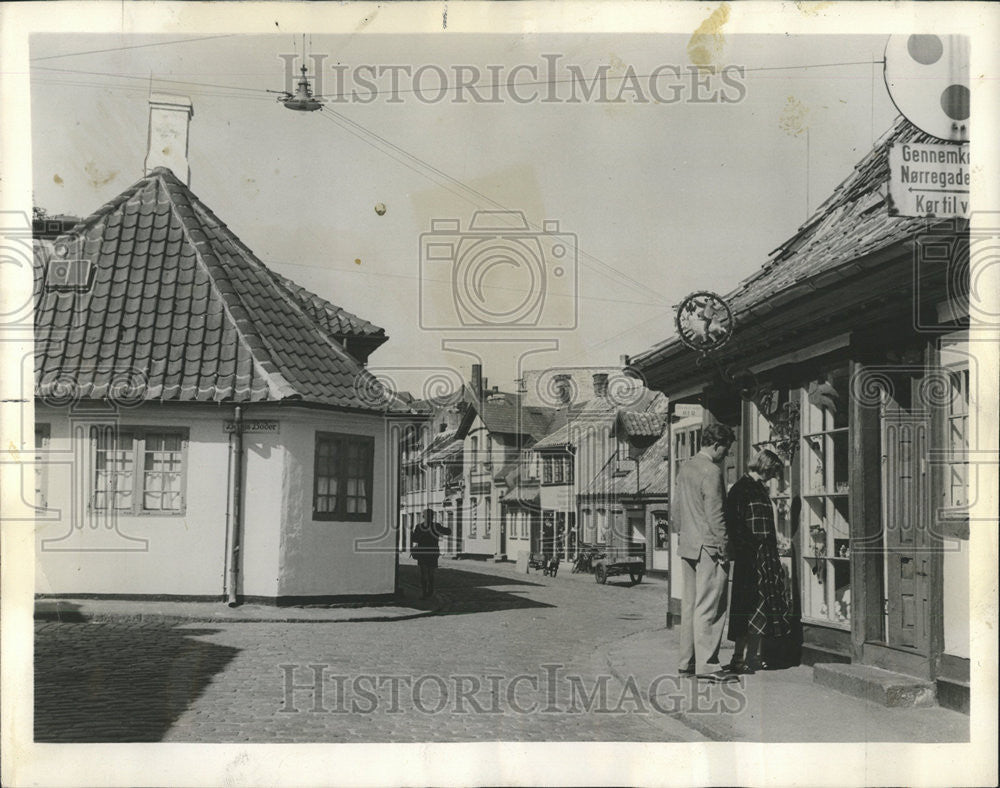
x,y
825,526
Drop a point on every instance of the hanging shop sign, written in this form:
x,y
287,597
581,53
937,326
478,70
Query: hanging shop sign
x,y
704,321
929,179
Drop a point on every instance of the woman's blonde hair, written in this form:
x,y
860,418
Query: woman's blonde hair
x,y
766,462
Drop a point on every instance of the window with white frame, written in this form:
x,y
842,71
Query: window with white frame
x,y
824,465
342,479
139,470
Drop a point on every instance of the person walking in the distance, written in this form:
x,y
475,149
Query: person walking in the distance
x,y
703,546
424,548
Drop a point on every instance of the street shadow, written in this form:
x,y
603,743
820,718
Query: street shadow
x,y
463,592
620,583
57,610
113,683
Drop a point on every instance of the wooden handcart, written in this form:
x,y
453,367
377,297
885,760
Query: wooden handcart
x,y
620,561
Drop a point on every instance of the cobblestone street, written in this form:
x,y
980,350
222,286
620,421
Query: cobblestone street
x,y
508,657
498,656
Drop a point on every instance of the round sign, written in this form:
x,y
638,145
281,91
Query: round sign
x,y
704,321
928,80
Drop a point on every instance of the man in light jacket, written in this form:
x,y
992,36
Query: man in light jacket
x,y
699,495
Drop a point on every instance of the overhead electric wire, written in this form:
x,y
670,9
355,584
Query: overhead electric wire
x,y
476,87
146,78
415,277
327,112
221,93
394,151
131,46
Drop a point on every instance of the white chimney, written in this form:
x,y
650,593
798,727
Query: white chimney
x,y
169,120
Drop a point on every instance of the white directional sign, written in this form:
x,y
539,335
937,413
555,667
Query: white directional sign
x,y
929,179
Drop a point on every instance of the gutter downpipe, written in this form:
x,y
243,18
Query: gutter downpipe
x,y
234,556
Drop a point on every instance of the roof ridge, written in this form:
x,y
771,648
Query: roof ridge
x,y
324,303
248,256
175,189
86,222
325,335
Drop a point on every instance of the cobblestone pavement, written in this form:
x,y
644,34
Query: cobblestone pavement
x,y
510,657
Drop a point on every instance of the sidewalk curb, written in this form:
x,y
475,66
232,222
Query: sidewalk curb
x,y
109,617
619,672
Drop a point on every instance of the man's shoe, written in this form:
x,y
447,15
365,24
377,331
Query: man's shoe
x,y
739,668
718,677
685,672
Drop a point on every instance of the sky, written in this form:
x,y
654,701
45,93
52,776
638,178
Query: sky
x,y
659,198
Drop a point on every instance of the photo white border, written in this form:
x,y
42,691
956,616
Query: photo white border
x,y
513,763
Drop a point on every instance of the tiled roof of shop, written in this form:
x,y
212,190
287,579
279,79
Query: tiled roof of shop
x,y
641,424
853,222
181,310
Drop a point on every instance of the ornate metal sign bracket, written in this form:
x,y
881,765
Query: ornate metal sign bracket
x,y
705,324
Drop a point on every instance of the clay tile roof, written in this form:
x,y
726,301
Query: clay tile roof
x,y
641,424
179,309
338,321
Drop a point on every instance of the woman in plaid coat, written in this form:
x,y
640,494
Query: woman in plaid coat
x,y
759,607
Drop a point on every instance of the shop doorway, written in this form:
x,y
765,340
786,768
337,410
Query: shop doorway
x,y
906,506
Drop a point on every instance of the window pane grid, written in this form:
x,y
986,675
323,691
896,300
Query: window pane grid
x,y
119,486
343,477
